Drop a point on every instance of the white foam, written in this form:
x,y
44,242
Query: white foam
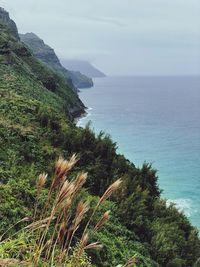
x,y
81,121
184,205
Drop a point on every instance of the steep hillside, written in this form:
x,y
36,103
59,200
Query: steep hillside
x,y
36,110
47,55
17,63
83,66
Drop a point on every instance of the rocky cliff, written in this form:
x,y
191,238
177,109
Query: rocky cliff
x,y
5,19
47,55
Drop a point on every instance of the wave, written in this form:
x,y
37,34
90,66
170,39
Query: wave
x,y
88,114
81,121
184,205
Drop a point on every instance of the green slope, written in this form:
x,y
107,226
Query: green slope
x,y
25,75
36,110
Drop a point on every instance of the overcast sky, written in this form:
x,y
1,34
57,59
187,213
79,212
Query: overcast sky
x,y
126,37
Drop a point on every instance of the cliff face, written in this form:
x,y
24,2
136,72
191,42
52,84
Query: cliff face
x,y
47,55
42,51
5,19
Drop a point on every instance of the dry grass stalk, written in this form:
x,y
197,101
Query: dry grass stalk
x,y
81,209
84,240
82,245
60,204
35,225
95,245
39,185
130,262
66,209
25,219
64,195
62,167
103,220
80,180
41,181
113,187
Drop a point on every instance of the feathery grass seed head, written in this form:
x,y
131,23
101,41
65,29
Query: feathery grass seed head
x,y
84,240
81,209
113,187
80,180
62,166
41,181
103,220
95,245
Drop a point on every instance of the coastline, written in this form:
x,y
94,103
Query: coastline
x,y
152,128
80,116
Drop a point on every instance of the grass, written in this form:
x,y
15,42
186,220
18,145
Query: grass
x,y
50,239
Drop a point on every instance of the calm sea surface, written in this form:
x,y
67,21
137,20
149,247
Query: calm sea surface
x,y
154,119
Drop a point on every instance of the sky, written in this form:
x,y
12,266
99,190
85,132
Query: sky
x,y
120,37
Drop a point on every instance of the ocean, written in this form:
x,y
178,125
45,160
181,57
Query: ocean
x,y
157,120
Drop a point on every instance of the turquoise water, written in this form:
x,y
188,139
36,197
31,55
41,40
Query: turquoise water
x,y
154,119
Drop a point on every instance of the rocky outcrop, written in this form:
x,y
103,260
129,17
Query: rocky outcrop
x,y
47,55
5,19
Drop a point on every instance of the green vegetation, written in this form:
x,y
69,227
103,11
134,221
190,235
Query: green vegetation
x,y
58,215
36,111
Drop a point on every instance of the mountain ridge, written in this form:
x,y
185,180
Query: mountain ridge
x,y
47,55
83,66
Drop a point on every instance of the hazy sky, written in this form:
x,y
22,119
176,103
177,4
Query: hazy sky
x,y
118,36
